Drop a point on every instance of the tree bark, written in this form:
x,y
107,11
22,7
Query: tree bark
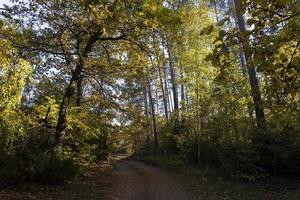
x,y
182,93
256,95
152,113
161,85
163,93
243,65
79,90
198,125
173,77
167,90
157,102
76,75
174,88
64,106
146,112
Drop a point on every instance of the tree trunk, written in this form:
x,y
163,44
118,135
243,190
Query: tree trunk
x,y
157,102
174,87
79,90
256,95
198,126
76,76
243,65
161,85
182,93
163,93
152,113
146,112
167,90
64,106
173,77
187,96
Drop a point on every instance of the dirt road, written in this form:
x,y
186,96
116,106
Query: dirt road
x,y
139,181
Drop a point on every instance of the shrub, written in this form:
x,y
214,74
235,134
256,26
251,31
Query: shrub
x,y
32,158
167,140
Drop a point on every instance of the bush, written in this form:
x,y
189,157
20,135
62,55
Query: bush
x,y
9,169
58,170
257,155
279,151
167,141
187,145
32,158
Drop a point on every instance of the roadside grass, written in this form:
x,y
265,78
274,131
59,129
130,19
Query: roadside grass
x,y
92,185
209,184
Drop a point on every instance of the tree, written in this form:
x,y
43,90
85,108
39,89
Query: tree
x,y
72,36
14,73
256,94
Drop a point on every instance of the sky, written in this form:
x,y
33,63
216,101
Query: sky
x,y
5,2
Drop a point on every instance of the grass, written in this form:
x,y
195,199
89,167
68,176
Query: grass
x,y
92,185
208,184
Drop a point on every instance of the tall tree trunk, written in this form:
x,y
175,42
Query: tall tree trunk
x,y
174,87
171,100
79,90
157,102
182,96
152,113
64,106
76,76
173,77
243,64
167,90
146,112
161,85
182,92
187,96
198,125
256,95
163,93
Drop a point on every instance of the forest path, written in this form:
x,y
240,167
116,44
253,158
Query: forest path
x,y
140,181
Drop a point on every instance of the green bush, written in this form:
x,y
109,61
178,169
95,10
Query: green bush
x,y
256,155
58,170
187,145
167,141
279,151
32,158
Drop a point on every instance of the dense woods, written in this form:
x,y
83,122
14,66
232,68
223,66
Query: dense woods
x,y
214,82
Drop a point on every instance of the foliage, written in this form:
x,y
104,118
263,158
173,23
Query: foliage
x,y
214,84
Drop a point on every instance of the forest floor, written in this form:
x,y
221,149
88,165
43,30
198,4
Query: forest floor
x,y
160,179
90,186
215,185
122,179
